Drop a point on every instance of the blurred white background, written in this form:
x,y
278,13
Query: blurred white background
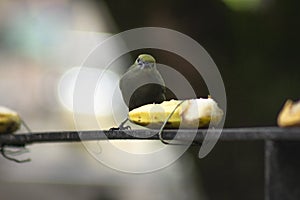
x,y
41,44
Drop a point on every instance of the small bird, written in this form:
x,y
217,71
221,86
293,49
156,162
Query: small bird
x,y
142,83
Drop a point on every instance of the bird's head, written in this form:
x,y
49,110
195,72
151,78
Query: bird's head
x,y
145,61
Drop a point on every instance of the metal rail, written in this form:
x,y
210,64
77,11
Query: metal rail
x,y
229,134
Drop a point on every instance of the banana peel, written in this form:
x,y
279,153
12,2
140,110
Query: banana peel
x,y
192,113
10,121
289,116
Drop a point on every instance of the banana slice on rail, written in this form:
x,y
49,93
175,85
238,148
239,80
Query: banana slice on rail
x,y
191,113
10,121
290,114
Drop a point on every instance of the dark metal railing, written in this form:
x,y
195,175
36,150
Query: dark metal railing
x,y
228,134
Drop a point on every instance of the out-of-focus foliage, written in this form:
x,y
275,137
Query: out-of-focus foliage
x,y
256,50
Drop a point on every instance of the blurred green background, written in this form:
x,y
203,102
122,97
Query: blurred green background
x,y
254,43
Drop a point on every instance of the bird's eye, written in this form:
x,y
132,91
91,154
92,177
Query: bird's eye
x,y
138,61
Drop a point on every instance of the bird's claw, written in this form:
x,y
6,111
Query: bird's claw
x,y
121,127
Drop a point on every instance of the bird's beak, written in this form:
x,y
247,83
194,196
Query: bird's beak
x,y
147,65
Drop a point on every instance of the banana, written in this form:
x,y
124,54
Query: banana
x,y
191,113
10,121
290,114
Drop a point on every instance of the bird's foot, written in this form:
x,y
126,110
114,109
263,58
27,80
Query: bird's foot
x,y
121,127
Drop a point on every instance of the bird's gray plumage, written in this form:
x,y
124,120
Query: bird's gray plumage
x,y
142,83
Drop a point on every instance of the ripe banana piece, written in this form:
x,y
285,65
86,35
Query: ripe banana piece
x,y
191,113
10,121
290,114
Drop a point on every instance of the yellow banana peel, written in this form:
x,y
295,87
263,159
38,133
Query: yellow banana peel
x,y
191,113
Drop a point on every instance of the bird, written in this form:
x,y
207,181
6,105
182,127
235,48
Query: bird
x,y
142,84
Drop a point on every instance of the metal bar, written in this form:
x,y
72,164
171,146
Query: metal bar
x,y
232,134
282,175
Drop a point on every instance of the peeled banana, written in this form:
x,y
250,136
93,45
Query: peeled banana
x,y
290,114
191,113
10,121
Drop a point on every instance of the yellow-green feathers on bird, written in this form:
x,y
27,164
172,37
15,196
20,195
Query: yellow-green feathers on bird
x,y
146,58
142,83
10,121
